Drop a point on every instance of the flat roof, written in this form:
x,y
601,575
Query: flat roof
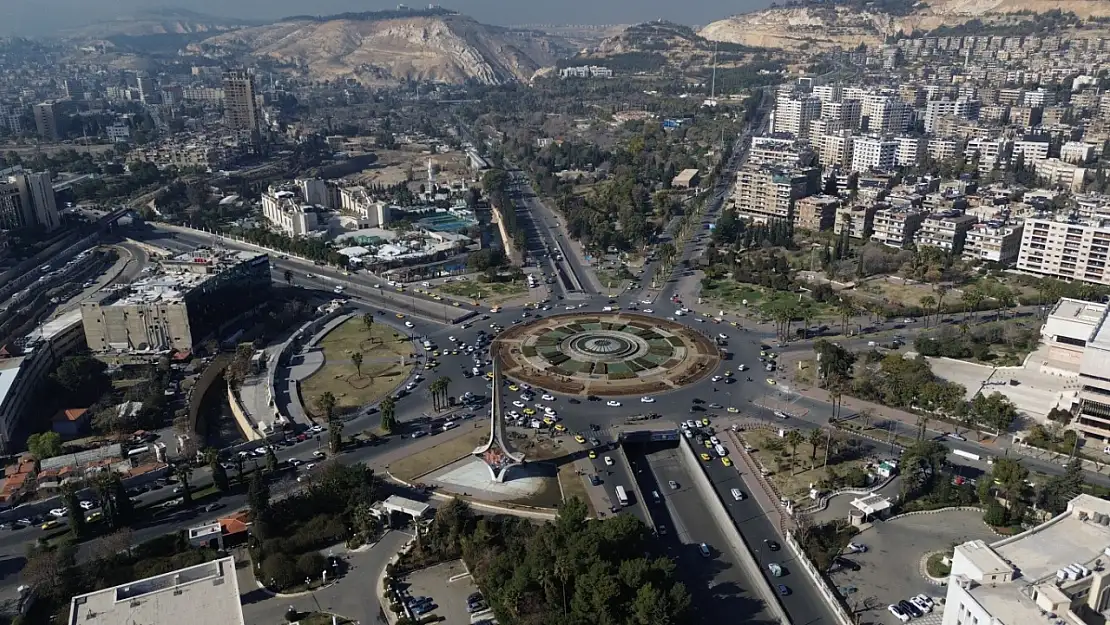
x,y
408,506
9,370
871,504
1055,545
1078,310
206,593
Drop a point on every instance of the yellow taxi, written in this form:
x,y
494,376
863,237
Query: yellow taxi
x,y
706,457
733,409
728,374
593,455
514,388
400,316
578,438
51,524
489,375
708,444
725,461
94,516
432,364
734,324
529,411
435,354
548,420
456,304
771,381
438,298
559,427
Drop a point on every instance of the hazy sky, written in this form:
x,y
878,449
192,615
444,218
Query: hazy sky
x,y
35,17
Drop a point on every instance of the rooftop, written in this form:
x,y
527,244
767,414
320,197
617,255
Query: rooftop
x,y
206,593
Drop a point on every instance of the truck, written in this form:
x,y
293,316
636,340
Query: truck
x,y
622,496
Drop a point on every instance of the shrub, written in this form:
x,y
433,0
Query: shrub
x,y
311,564
280,569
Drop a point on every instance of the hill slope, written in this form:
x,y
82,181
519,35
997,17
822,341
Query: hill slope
x,y
851,22
156,22
444,47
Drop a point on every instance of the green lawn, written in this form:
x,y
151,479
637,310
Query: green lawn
x,y
731,295
382,367
488,292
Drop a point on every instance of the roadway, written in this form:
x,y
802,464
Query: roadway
x,y
547,241
721,590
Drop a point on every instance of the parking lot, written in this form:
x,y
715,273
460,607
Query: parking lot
x,y
447,585
905,540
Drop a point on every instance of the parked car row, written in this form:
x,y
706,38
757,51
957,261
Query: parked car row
x,y
914,607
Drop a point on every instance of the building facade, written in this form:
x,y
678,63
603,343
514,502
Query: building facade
x,y
1068,250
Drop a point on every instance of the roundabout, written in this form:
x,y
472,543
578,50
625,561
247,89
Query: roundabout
x,y
618,353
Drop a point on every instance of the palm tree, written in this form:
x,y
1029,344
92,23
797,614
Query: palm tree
x,y
388,408
846,310
356,360
326,401
815,437
922,424
927,304
941,291
867,415
289,277
184,473
445,383
433,390
794,438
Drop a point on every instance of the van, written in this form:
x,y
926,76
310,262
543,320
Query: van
x,y
737,494
656,497
721,451
427,344
450,425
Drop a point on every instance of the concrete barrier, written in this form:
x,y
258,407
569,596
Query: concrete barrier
x,y
832,600
740,549
247,427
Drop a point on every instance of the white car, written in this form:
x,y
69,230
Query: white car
x,y
898,613
649,311
716,378
58,513
86,505
518,404
780,414
645,301
514,414
408,324
647,400
722,336
548,397
921,605
525,386
570,307
452,339
608,461
612,403
742,367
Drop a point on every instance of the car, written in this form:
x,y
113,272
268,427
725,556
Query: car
x,y
647,400
612,403
704,550
51,524
910,609
856,548
595,480
737,494
400,316
608,461
845,563
319,454
518,404
705,422
649,311
771,381
690,423
898,613
86,505
529,411
725,460
547,397
408,324
722,336
716,406
733,410
592,454
772,545
58,513
578,438
926,601
716,378
514,388
916,602
706,457
783,589
672,484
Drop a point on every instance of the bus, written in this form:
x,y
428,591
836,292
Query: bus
x,y
622,496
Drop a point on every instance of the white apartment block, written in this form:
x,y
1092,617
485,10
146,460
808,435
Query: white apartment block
x,y
369,212
910,151
1066,250
960,107
793,113
947,231
857,220
763,193
1077,152
870,153
896,227
1040,97
827,93
1052,569
287,213
1031,149
1057,173
993,242
118,132
775,150
886,114
835,149
846,111
942,149
991,152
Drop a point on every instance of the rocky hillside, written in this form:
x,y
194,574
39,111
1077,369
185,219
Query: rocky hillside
x,y
156,22
851,22
441,46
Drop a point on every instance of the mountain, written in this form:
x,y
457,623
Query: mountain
x,y
848,23
156,22
384,46
659,45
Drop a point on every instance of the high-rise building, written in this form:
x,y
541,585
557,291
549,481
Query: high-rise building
x,y
27,199
763,193
148,91
873,153
240,107
47,120
793,113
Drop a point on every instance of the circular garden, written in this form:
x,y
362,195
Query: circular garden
x,y
607,354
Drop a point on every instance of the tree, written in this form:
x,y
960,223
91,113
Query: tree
x,y
258,500
289,277
74,511
219,474
81,379
51,571
368,321
388,408
1009,476
326,402
356,360
794,438
927,303
44,445
816,437
271,460
239,462
335,435
184,473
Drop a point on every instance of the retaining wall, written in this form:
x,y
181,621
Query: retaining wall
x,y
247,427
740,549
832,600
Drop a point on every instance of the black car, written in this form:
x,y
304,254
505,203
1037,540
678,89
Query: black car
x,y
574,401
772,545
595,480
845,563
910,609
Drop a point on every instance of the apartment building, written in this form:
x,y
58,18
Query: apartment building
x,y
873,153
793,112
827,93
848,112
1077,152
1031,149
1058,173
946,230
764,192
358,202
994,242
240,102
835,149
910,151
27,199
992,153
962,108
942,149
896,227
858,220
48,120
1069,250
885,114
1048,575
780,151
815,212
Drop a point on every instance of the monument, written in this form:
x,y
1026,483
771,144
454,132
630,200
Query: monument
x,y
497,454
